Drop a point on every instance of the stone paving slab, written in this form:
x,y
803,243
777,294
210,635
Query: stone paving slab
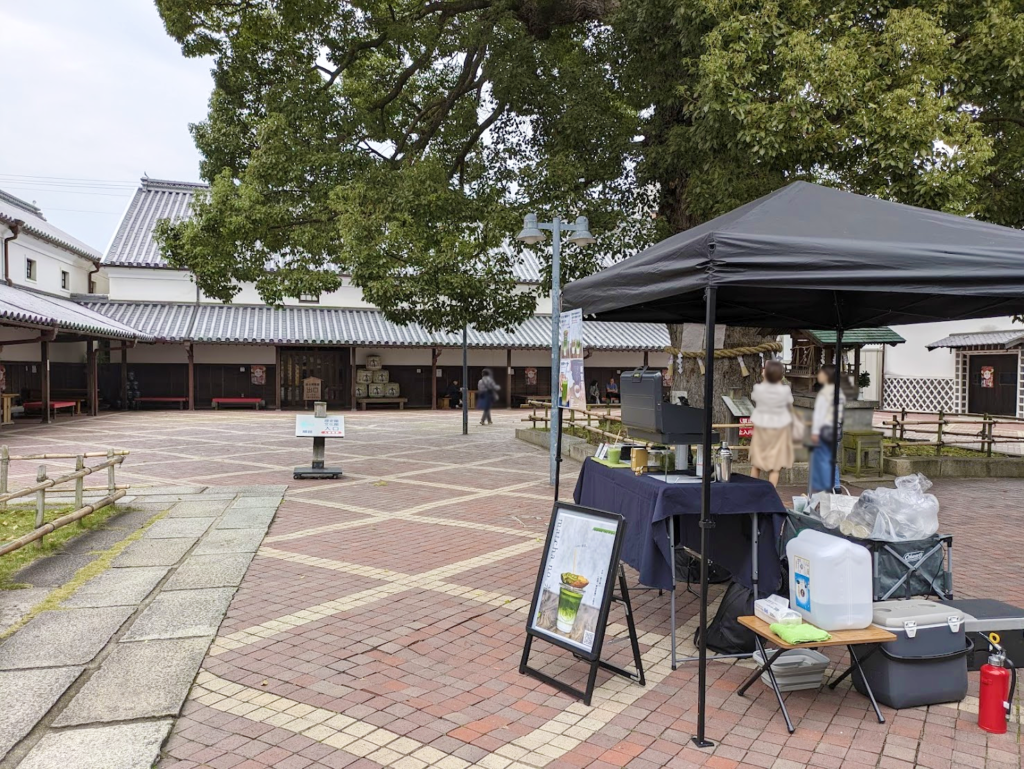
x,y
182,614
199,571
95,541
118,587
26,695
133,519
121,746
54,570
249,502
230,541
255,518
198,508
157,673
61,638
15,604
173,528
154,552
167,491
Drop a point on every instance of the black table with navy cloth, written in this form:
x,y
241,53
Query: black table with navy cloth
x,y
649,505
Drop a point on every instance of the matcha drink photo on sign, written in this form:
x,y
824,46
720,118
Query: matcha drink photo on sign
x,y
577,574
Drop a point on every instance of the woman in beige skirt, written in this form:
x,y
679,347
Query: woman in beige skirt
x,y
771,448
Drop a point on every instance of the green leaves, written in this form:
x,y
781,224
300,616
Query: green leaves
x,y
400,143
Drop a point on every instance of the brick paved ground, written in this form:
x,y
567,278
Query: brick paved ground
x,y
381,622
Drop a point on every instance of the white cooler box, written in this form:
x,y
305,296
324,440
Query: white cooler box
x,y
926,664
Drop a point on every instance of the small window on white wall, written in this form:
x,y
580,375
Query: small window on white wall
x,y
65,279
309,298
30,269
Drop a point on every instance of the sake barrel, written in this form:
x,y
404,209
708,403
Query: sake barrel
x,y
363,376
376,390
391,390
381,376
360,390
373,362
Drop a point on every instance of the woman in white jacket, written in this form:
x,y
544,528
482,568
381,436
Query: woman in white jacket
x,y
771,448
822,431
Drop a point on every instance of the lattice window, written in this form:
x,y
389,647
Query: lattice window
x,y
914,393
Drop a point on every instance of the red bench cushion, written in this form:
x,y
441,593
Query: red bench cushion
x,y
237,400
53,404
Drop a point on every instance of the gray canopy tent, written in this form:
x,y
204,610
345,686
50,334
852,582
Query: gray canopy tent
x,y
807,256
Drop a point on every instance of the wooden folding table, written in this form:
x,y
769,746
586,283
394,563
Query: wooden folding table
x,y
847,638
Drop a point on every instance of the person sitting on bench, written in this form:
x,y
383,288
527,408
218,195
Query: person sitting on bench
x,y
611,390
454,395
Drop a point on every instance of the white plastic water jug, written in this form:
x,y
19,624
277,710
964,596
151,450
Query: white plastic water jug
x,y
830,581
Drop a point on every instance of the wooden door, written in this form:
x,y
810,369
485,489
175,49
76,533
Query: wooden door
x,y
992,385
330,365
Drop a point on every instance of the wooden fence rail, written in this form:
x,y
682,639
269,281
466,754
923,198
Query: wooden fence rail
x,y
944,426
44,483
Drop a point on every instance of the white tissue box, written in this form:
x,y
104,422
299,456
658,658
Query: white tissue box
x,y
775,609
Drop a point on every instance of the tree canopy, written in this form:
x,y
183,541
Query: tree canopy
x,y
400,142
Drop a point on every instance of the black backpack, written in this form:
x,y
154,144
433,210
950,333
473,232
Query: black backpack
x,y
725,634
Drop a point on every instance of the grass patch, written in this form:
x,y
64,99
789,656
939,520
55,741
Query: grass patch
x,y
18,520
904,450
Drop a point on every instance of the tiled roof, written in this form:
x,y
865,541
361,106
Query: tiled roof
x,y
133,244
1007,338
881,335
167,322
29,308
243,324
13,209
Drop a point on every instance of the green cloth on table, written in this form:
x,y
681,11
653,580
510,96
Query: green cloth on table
x,y
609,463
799,634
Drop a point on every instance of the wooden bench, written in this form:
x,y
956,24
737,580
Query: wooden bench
x,y
256,402
75,406
364,402
163,399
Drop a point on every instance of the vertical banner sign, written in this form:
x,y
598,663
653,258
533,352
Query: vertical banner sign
x,y
746,429
258,375
531,377
573,388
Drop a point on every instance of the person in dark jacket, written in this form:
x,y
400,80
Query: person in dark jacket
x,y
486,395
454,394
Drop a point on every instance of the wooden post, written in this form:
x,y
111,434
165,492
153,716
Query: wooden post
x,y
5,463
44,354
191,377
91,379
352,373
124,376
79,487
434,355
903,424
938,436
40,501
508,378
277,378
646,358
111,485
856,369
986,429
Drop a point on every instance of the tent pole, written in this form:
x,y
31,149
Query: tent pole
x,y
700,740
835,405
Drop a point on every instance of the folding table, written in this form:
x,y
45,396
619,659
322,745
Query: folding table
x,y
847,638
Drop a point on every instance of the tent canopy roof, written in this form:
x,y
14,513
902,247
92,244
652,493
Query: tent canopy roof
x,y
808,256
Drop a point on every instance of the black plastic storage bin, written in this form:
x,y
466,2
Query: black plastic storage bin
x,y
922,567
926,664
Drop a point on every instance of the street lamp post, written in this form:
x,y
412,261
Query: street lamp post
x,y
531,234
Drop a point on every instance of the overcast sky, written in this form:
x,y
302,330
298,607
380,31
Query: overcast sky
x,y
94,94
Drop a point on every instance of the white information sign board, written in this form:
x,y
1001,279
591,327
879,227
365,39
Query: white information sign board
x,y
309,426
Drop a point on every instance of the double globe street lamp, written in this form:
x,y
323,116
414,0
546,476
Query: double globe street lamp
x,y
531,234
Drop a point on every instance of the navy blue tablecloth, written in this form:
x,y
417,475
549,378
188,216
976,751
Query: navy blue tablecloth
x,y
648,505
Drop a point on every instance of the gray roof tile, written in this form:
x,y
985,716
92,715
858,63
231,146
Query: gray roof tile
x,y
1006,338
133,244
24,307
244,324
14,209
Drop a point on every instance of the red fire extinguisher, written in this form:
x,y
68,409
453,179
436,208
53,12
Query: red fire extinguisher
x,y
998,680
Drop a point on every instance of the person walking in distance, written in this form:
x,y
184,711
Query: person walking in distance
x,y
486,395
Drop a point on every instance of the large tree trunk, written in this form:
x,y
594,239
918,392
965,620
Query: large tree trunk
x,y
728,373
